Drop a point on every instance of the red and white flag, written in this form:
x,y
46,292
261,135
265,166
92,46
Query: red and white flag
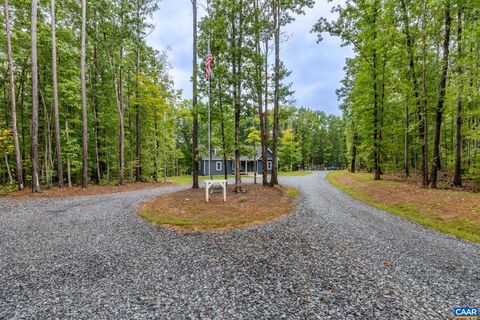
x,y
208,65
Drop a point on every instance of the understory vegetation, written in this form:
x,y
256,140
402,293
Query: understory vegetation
x,y
85,99
450,211
411,93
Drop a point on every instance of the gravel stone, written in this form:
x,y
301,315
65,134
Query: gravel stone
x,y
333,258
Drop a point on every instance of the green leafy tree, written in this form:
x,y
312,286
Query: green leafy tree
x,y
289,150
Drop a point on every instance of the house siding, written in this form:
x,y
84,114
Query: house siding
x,y
203,166
259,169
269,159
203,169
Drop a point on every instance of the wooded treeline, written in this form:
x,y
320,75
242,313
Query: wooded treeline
x,y
411,94
84,95
86,100
249,93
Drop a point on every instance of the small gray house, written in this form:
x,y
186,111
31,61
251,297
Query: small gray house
x,y
248,165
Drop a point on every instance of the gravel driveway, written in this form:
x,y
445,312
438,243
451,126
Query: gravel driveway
x,y
92,257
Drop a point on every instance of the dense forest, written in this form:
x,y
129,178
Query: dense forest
x,y
85,99
411,93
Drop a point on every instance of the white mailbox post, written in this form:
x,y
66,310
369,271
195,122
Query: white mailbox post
x,y
211,183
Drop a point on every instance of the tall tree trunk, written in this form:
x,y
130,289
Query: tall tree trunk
x,y
353,163
34,122
222,127
155,141
22,117
9,173
261,115
457,179
69,171
472,121
239,84
164,149
5,99
475,141
376,121
98,174
406,167
238,180
237,93
84,98
265,115
138,156
376,157
423,118
56,118
121,125
266,88
95,104
441,100
276,102
18,156
195,184
174,153
411,76
48,142
382,114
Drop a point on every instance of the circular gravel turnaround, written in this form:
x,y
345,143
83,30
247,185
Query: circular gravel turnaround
x,y
94,258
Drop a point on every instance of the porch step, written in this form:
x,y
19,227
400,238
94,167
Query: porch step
x,y
247,173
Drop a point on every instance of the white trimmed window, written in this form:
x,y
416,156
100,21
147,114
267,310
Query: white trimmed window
x,y
218,165
233,165
269,165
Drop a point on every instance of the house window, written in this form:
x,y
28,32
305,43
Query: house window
x,y
218,166
233,165
269,165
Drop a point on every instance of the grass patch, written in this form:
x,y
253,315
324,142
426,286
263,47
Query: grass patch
x,y
187,209
449,211
293,192
186,180
293,173
180,180
76,191
7,189
163,219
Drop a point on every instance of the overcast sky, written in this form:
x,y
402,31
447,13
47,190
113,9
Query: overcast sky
x,y
316,68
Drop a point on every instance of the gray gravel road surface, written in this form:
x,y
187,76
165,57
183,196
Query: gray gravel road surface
x,y
333,258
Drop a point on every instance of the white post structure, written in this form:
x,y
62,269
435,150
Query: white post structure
x,y
210,183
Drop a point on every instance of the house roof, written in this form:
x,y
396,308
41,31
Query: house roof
x,y
258,155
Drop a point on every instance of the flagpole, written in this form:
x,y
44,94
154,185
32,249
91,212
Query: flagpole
x,y
209,130
209,107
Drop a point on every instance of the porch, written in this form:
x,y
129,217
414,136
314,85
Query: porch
x,y
247,167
